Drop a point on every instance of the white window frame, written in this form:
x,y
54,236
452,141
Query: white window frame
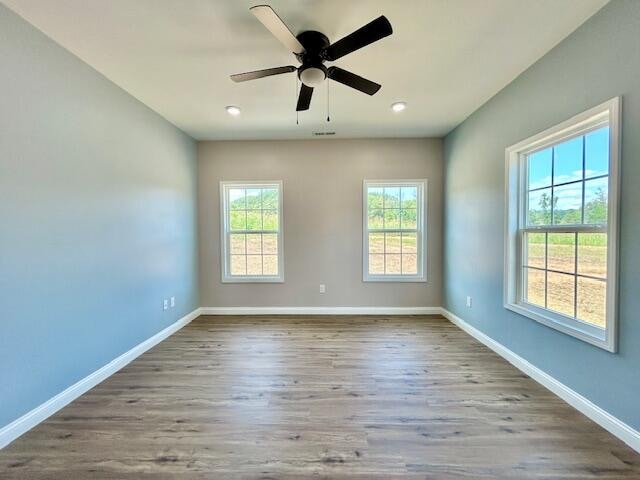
x,y
516,208
225,232
421,241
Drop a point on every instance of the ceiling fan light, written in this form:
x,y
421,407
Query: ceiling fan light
x,y
398,106
313,76
232,110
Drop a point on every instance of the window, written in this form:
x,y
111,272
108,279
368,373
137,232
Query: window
x,y
394,230
251,214
561,235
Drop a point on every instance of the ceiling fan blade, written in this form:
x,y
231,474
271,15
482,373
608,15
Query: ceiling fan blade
x,y
352,80
277,27
304,99
243,77
371,32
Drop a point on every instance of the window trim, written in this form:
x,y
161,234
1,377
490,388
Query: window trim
x,y
515,183
224,232
421,219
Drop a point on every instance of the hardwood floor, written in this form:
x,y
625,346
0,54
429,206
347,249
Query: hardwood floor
x,y
318,397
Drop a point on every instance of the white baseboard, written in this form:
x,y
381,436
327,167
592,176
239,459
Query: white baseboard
x,y
321,311
29,420
603,418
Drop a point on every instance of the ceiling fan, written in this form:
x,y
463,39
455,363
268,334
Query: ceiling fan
x,y
312,49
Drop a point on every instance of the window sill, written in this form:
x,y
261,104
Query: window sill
x,y
253,280
575,328
394,279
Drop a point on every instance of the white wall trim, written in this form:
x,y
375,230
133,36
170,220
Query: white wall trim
x,y
321,311
29,420
603,418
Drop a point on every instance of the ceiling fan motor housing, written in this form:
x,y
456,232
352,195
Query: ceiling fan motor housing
x,y
312,72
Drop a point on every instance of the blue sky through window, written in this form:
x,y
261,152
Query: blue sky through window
x,y
540,169
567,161
568,177
597,153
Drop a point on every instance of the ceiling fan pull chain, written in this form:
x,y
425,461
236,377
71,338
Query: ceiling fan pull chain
x,y
328,109
295,97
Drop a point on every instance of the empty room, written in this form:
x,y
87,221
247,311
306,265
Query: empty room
x,y
319,239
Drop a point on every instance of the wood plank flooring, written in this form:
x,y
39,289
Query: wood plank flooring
x,y
323,398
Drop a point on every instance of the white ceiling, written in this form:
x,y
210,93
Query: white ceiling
x,y
445,58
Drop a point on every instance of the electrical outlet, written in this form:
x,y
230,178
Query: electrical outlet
x,y
165,304
173,302
469,302
323,288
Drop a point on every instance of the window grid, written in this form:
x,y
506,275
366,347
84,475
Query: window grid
x,y
394,231
574,228
264,254
402,253
584,174
553,177
575,273
570,182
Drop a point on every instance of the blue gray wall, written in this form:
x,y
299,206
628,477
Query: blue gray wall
x,y
598,61
97,219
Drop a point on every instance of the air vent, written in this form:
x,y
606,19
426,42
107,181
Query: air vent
x,y
323,134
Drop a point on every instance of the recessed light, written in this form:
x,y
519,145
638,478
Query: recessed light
x,y
233,110
398,106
